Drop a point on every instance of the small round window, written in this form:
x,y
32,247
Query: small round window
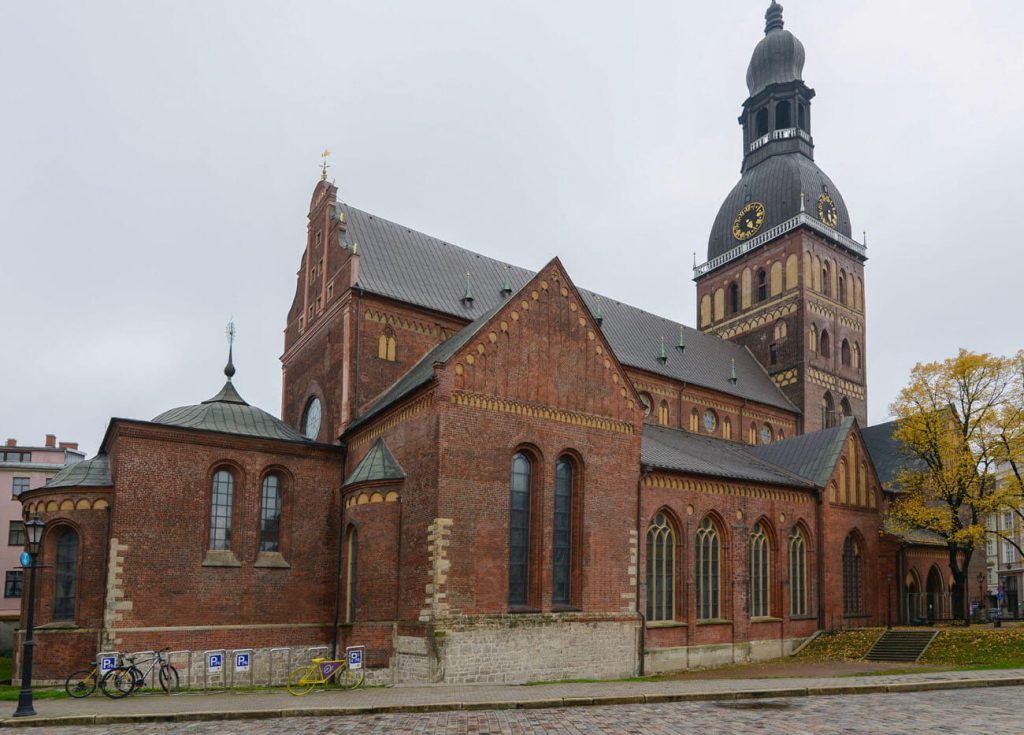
x,y
646,400
710,421
766,434
311,424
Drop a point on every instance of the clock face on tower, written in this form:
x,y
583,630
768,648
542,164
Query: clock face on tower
x,y
827,211
748,221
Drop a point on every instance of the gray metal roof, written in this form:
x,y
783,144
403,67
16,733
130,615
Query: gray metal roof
x,y
777,183
407,265
228,413
378,464
683,451
812,456
779,56
888,454
93,472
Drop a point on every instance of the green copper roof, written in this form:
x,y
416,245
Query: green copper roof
x,y
378,464
94,472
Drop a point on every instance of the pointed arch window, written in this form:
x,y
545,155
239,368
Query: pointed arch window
x,y
734,298
694,420
519,529
221,505
812,339
708,557
562,541
845,354
797,573
826,278
66,576
760,573
270,514
752,433
828,411
825,344
845,409
661,569
386,345
762,285
663,413
842,286
856,356
726,428
852,566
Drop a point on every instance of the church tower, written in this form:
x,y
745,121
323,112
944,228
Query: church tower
x,y
783,275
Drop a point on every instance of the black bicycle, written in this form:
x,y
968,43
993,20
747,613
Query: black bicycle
x,y
129,677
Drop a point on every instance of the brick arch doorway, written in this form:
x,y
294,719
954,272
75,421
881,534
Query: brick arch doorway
x,y
934,595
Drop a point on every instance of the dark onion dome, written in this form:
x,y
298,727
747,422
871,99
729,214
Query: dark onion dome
x,y
778,58
94,472
777,184
228,413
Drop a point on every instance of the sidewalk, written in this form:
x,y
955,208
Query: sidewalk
x,y
98,710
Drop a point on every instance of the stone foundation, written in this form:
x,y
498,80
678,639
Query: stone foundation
x,y
661,660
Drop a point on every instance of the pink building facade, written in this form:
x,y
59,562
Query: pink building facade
x,y
22,468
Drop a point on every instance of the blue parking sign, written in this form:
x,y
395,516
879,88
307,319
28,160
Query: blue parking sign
x,y
242,662
214,662
107,663
355,658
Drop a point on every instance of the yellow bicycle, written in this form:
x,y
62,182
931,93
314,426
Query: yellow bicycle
x,y
321,671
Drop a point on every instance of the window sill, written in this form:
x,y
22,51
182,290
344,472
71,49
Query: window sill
x,y
803,617
565,609
220,558
666,624
271,560
522,609
58,625
857,615
766,619
715,621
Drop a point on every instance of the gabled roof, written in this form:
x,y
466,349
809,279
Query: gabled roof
x,y
406,265
423,371
378,464
93,472
811,456
228,413
888,454
682,451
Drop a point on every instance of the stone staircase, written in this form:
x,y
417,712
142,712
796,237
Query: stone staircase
x,y
901,645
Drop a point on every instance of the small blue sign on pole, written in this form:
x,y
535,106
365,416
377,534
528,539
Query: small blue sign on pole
x,y
107,662
25,559
355,658
214,662
242,662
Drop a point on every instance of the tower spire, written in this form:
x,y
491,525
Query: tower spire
x,y
773,18
230,331
324,166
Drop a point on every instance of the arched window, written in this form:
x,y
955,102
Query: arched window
x,y
519,530
752,433
694,420
661,569
734,298
801,116
842,286
783,116
663,413
760,573
270,514
862,485
812,339
843,482
852,592
797,573
66,576
708,556
386,345
220,510
781,331
762,285
761,122
826,278
726,428
856,356
561,547
645,400
352,547
825,344
767,434
845,354
845,409
828,411
311,418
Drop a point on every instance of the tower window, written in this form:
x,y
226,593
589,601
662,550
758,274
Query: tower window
x,y
801,116
762,285
828,411
773,353
825,344
844,353
826,279
783,116
734,298
761,122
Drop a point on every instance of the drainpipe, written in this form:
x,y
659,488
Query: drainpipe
x,y
341,543
644,472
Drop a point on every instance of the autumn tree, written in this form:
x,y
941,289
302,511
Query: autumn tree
x,y
960,424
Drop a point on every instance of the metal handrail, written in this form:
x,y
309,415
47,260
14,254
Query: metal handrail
x,y
781,229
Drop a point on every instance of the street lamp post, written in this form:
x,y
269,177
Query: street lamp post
x,y
33,534
888,602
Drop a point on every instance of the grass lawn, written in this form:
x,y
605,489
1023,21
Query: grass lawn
x,y
9,692
976,647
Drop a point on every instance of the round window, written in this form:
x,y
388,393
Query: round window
x,y
646,400
766,434
311,426
710,421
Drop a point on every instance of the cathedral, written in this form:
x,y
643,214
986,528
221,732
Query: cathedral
x,y
483,473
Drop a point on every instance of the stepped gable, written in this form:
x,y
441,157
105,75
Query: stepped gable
x,y
811,456
683,451
403,264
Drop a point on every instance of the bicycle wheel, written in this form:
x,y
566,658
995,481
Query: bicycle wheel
x,y
81,683
349,679
168,677
117,683
301,680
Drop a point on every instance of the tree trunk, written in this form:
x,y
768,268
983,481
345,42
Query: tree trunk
x,y
959,567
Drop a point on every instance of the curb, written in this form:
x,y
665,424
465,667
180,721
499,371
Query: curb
x,y
721,696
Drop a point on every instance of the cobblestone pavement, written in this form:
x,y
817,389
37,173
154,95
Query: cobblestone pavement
x,y
962,712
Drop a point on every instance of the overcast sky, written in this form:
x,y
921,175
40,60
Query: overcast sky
x,y
157,159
